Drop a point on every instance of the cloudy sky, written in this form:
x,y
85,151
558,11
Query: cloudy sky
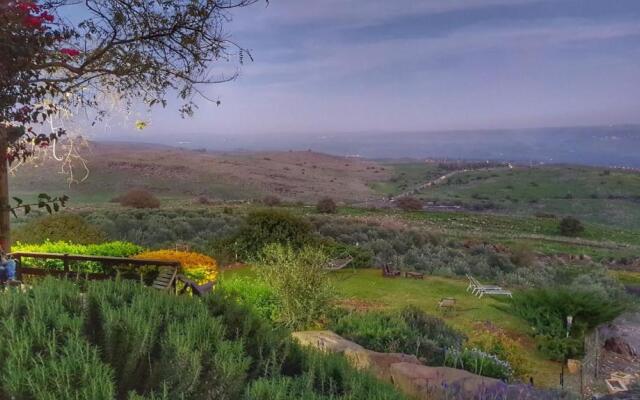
x,y
419,65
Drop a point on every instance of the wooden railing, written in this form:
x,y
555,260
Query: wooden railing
x,y
67,259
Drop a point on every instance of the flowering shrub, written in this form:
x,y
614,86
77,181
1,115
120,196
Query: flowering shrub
x,y
479,362
498,343
196,266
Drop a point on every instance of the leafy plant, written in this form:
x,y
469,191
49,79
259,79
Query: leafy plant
x,y
479,362
409,330
265,227
300,282
546,310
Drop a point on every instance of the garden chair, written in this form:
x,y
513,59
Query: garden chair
x,y
197,290
389,272
166,279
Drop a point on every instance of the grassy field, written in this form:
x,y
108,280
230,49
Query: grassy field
x,y
367,289
594,194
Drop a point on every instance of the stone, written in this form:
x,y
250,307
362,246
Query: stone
x,y
423,382
325,341
378,363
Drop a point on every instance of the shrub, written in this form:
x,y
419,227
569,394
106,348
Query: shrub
x,y
480,363
408,203
326,205
109,249
408,331
120,340
546,310
254,293
139,198
265,227
196,266
59,227
300,282
570,226
271,201
496,342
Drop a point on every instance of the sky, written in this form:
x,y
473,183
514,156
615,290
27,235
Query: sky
x,y
420,65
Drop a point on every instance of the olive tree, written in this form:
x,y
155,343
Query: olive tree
x,y
62,54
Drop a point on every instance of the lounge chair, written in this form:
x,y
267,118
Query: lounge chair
x,y
414,275
478,289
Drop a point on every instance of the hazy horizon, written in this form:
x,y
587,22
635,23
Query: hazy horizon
x,y
338,66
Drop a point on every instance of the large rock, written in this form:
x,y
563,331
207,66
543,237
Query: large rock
x,y
326,341
423,382
622,335
378,363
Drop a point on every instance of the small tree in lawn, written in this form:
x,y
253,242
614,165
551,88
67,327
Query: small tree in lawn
x,y
135,50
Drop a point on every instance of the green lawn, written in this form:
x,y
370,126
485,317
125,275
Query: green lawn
x,y
593,194
368,288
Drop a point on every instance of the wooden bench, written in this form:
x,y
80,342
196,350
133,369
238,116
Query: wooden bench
x,y
414,275
447,304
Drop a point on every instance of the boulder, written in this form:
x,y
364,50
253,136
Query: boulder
x,y
423,382
622,335
326,341
378,363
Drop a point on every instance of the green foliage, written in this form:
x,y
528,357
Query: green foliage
x,y
110,249
300,282
480,363
59,227
325,377
326,205
265,227
570,226
547,309
409,330
119,340
255,293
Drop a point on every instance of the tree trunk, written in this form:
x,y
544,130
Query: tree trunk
x,y
5,239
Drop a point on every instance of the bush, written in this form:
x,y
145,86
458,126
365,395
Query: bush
x,y
300,283
408,203
271,201
139,198
570,226
408,331
109,249
195,266
497,343
547,309
480,363
326,205
120,340
59,227
265,227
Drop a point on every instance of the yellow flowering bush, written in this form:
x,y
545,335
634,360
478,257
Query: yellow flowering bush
x,y
495,341
195,266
